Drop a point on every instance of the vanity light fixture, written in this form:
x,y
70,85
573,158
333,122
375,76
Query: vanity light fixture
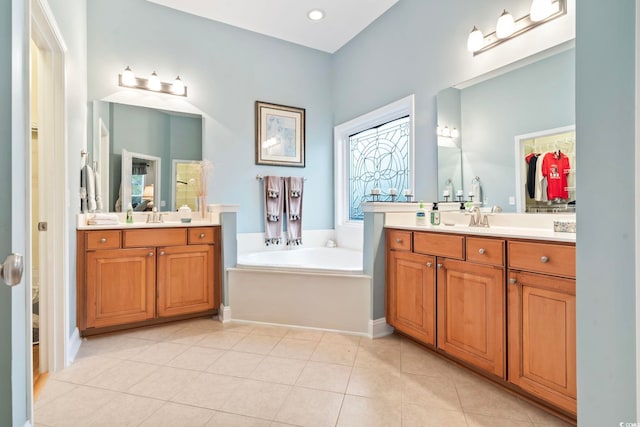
x,y
447,132
541,11
316,14
153,83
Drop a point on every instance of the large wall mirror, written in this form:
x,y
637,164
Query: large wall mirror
x,y
492,119
150,142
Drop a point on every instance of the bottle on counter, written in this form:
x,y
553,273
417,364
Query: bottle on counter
x,y
435,214
129,214
421,215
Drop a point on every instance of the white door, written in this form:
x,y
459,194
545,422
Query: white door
x,y
15,354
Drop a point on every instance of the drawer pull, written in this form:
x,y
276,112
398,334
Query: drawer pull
x,y
202,235
513,281
103,240
440,265
150,254
544,259
399,241
429,264
161,253
481,251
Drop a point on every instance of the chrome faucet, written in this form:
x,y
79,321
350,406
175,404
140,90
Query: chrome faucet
x,y
155,217
477,219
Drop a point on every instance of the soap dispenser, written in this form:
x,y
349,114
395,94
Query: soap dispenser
x,y
435,214
421,215
129,214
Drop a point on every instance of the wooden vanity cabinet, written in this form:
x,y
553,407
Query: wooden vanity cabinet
x,y
134,277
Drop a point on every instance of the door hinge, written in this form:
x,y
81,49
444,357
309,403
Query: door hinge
x,y
42,226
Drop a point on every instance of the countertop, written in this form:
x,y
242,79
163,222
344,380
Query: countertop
x,y
169,224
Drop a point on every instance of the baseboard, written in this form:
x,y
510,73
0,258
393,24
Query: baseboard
x,y
73,346
379,328
298,327
28,423
224,314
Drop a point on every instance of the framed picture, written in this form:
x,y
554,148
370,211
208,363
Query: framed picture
x,y
279,135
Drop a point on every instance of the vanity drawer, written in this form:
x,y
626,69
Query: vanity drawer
x,y
444,245
399,240
485,251
103,239
141,238
202,235
543,258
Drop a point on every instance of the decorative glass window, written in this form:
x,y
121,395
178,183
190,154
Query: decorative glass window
x,y
379,157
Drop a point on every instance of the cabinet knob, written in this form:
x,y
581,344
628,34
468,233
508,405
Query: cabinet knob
x,y
544,259
398,240
150,254
481,251
202,235
161,253
440,265
513,281
103,240
429,264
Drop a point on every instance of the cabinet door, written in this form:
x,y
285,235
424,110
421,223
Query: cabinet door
x,y
542,337
185,279
120,286
471,313
412,293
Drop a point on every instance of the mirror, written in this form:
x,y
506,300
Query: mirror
x,y
141,182
489,115
152,136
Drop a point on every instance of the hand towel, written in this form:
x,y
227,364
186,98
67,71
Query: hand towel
x,y
103,219
273,208
98,190
88,182
294,187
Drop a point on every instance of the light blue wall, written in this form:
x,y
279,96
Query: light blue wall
x,y
606,238
537,97
226,70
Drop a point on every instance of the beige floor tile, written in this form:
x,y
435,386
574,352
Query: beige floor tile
x,y
422,416
425,363
387,356
209,324
257,399
304,334
325,376
277,424
311,408
222,339
236,364
114,346
187,336
331,352
238,327
122,376
259,344
164,383
75,407
338,338
543,418
364,412
476,420
124,410
294,348
430,391
155,333
223,419
208,391
376,383
487,399
278,370
174,415
196,358
83,370
392,340
52,390
161,353
269,330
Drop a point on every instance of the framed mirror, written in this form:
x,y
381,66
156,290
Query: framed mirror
x,y
141,182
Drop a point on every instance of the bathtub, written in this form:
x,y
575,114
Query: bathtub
x,y
323,288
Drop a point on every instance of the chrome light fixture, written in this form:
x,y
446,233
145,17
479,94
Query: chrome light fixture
x,y
542,11
153,83
447,132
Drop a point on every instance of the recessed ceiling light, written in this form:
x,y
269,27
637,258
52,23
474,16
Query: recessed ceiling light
x,y
315,14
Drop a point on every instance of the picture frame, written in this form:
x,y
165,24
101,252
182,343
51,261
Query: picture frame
x,y
280,135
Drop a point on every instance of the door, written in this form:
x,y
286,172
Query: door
x,y
185,279
15,302
412,295
471,313
542,337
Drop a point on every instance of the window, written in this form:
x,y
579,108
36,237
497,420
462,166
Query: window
x,y
373,151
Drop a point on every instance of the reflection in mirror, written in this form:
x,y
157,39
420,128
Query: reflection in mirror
x,y
449,152
536,96
187,186
141,182
166,135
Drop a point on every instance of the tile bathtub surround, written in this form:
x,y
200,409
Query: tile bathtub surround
x,y
203,373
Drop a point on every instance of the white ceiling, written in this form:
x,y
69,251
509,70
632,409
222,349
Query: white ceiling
x,y
287,19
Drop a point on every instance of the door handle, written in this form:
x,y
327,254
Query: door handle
x,y
11,269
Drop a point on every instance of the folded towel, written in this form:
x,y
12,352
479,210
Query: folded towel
x,y
293,188
104,219
273,207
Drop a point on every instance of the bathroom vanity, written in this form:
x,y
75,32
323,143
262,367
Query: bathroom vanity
x,y
140,274
500,301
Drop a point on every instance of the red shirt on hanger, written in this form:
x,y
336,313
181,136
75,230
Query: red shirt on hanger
x,y
555,167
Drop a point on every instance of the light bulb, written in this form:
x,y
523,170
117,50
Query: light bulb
x,y
540,10
446,132
315,14
154,82
128,78
454,133
475,40
177,87
506,25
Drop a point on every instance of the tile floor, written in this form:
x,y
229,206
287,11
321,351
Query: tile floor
x,y
203,373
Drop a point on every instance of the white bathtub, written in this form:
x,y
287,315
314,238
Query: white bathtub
x,y
318,287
